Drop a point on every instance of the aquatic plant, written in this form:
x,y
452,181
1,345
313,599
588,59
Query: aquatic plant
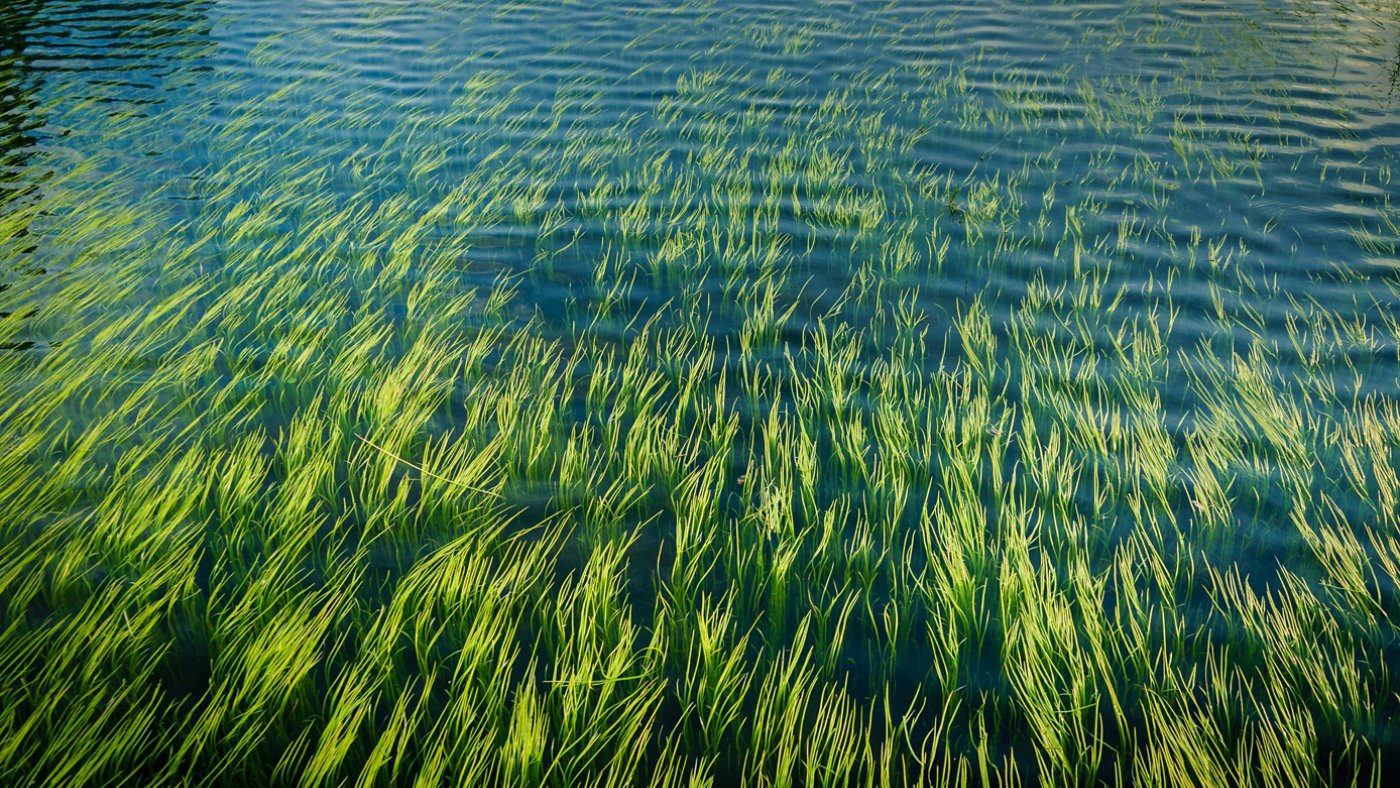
x,y
916,427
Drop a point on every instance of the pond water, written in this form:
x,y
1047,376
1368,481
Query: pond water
x,y
764,392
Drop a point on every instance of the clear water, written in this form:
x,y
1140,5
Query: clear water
x,y
1296,101
1222,168
1264,130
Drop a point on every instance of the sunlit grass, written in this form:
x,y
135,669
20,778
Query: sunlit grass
x,y
503,441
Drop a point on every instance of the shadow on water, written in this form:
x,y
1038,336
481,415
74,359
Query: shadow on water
x,y
17,123
17,138
120,52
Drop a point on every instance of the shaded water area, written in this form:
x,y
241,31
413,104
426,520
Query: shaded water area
x,y
702,393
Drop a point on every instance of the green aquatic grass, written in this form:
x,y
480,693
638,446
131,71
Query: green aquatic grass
x,y
302,486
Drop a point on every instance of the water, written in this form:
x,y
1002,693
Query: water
x,y
748,181
1265,130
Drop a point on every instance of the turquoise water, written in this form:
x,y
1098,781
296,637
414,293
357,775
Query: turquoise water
x,y
1177,137
1154,231
1285,111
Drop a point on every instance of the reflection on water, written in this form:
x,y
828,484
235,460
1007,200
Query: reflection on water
x,y
17,119
118,58
17,124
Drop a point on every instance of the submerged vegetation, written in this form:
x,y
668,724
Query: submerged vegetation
x,y
843,400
